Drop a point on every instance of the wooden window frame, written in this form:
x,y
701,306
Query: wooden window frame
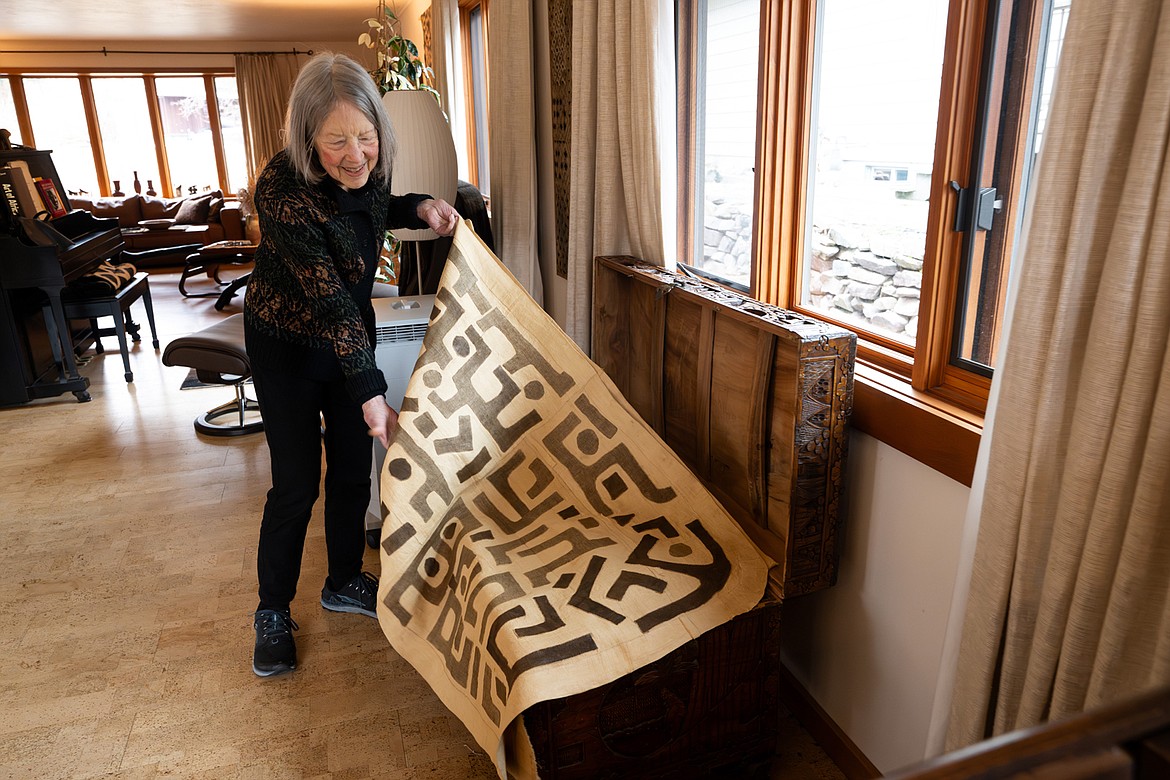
x,y
915,404
85,78
465,9
912,399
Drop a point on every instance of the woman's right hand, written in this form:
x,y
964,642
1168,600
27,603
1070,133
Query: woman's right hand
x,y
440,215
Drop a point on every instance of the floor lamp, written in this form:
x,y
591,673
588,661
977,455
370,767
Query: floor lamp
x,y
426,161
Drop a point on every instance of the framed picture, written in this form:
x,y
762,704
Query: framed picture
x,y
52,200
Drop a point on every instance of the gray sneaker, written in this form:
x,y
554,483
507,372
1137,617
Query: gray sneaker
x,y
359,595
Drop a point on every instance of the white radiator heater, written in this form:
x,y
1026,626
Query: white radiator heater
x,y
401,325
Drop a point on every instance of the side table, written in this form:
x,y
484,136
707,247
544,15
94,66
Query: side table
x,y
208,260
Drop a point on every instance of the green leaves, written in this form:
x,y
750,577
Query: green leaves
x,y
398,64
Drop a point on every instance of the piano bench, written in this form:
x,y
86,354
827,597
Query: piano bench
x,y
116,306
218,356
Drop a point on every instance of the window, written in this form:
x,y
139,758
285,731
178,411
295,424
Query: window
x,y
1008,144
893,143
170,130
8,112
722,193
58,115
183,106
231,128
875,79
473,24
124,124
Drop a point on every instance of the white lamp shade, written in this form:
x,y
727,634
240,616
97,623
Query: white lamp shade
x,y
426,161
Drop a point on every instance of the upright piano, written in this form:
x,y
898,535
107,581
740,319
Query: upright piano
x,y
36,342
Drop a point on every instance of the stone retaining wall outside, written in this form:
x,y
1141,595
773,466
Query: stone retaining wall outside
x,y
874,281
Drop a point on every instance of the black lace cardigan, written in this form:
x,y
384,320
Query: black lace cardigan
x,y
307,308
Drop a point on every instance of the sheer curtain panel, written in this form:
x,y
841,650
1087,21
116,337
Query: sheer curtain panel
x,y
514,149
1069,601
265,82
615,204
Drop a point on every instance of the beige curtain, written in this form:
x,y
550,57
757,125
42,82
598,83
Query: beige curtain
x,y
264,82
514,150
615,202
1069,604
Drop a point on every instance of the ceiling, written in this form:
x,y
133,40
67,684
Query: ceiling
x,y
291,21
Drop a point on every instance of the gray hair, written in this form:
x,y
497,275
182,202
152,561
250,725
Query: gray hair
x,y
326,80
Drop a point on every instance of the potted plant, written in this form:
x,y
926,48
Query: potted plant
x,y
398,65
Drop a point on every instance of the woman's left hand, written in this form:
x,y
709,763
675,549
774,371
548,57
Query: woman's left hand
x,y
380,418
440,215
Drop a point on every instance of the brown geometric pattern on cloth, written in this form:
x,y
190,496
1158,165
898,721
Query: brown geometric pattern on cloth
x,y
539,539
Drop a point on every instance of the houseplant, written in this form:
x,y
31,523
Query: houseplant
x,y
398,65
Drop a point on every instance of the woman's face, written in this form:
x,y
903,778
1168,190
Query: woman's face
x,y
347,146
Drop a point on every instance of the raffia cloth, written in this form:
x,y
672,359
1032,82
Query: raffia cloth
x,y
539,539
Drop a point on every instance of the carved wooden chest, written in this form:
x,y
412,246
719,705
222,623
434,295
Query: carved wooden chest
x,y
756,400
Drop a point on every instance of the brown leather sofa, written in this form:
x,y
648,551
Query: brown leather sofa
x,y
151,223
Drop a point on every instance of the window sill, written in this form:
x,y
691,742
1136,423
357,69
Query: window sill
x,y
933,432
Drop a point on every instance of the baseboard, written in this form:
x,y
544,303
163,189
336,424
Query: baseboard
x,y
837,746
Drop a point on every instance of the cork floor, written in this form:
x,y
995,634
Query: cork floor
x,y
127,564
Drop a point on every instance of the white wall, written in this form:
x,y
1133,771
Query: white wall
x,y
868,649
410,17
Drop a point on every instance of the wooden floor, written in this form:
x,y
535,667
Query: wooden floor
x,y
127,582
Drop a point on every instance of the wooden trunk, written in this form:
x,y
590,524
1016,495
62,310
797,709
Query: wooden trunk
x,y
708,709
755,399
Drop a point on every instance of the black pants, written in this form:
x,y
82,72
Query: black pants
x,y
293,408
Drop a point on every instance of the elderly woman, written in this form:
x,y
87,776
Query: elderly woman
x,y
324,204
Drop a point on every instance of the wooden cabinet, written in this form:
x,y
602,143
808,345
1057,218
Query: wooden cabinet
x,y
705,710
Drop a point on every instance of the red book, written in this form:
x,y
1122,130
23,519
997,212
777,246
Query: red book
x,y
52,200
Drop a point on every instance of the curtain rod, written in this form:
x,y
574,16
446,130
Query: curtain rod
x,y
107,52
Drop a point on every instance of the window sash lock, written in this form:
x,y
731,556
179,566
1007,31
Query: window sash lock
x,y
982,215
